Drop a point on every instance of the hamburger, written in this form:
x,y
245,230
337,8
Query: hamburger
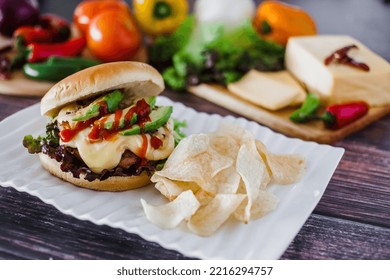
x,y
106,131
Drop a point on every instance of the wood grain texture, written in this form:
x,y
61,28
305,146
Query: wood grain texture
x,y
19,85
280,120
359,189
31,229
330,238
41,232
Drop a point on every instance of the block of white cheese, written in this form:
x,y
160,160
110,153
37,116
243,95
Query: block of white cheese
x,y
271,90
336,82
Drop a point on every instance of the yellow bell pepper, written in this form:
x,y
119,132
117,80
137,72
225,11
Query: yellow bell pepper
x,y
277,22
157,17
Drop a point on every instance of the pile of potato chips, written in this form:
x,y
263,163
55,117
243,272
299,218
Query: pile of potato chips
x,y
210,177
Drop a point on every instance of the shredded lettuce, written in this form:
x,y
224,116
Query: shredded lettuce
x,y
34,145
187,53
164,47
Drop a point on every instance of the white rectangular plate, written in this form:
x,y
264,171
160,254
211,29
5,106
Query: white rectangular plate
x,y
266,238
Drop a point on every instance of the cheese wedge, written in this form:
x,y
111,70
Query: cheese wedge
x,y
338,83
271,90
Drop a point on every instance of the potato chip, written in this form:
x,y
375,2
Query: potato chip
x,y
189,147
171,189
197,170
227,181
225,145
263,152
285,169
198,165
264,203
172,214
210,217
210,177
253,171
203,197
236,132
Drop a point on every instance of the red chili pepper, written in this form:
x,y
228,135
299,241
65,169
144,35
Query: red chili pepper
x,y
59,26
31,34
341,56
340,115
40,51
50,28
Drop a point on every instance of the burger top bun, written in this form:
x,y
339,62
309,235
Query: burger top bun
x,y
133,78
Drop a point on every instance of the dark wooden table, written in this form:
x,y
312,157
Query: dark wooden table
x,y
352,220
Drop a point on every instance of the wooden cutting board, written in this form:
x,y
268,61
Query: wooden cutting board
x,y
279,120
20,85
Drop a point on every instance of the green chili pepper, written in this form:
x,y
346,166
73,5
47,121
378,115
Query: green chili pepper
x,y
113,99
308,109
72,61
56,68
43,71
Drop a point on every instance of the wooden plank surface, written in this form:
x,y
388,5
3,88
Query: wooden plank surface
x,y
42,233
329,238
361,195
39,231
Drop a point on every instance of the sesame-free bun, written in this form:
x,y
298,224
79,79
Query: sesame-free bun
x,y
111,184
135,79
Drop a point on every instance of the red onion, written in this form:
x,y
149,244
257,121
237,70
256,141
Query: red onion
x,y
16,13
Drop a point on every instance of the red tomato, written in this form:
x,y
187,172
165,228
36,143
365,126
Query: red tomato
x,y
87,10
113,36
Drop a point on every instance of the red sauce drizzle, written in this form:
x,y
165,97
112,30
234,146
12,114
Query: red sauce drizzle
x,y
144,147
129,115
142,109
67,134
94,133
117,118
155,142
98,132
103,108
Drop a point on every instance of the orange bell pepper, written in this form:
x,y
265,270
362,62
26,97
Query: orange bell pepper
x,y
277,22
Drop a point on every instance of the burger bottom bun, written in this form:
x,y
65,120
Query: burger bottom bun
x,y
111,184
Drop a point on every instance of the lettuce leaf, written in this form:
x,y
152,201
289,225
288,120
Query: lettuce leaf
x,y
211,54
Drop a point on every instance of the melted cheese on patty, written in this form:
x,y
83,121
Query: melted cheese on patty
x,y
106,154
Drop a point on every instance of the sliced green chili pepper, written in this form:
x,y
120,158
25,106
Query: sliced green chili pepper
x,y
56,68
308,109
92,112
110,102
113,99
